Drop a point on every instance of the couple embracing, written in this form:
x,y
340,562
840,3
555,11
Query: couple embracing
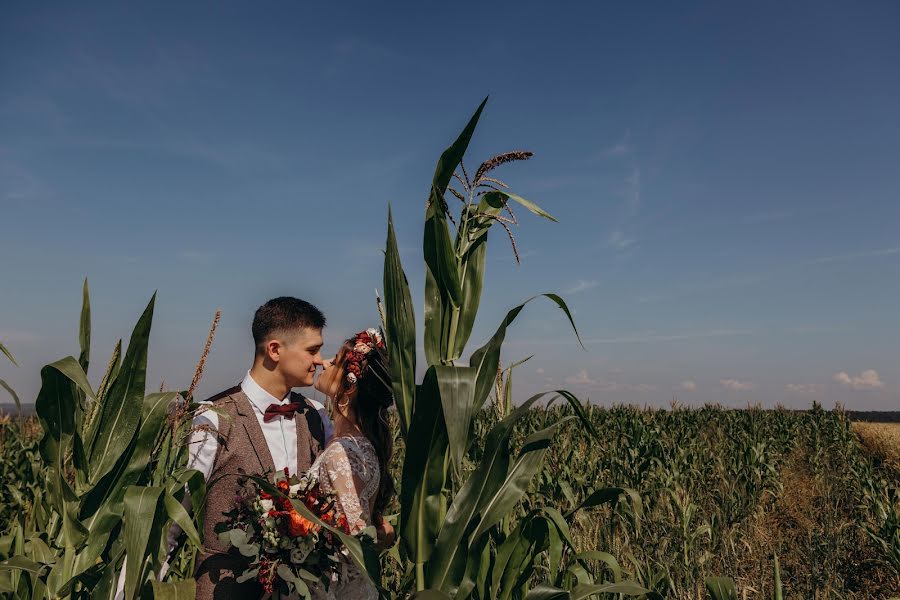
x,y
262,427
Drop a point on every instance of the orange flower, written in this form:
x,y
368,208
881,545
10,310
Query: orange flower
x,y
283,486
298,525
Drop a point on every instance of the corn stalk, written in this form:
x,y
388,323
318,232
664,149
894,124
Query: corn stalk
x,y
450,540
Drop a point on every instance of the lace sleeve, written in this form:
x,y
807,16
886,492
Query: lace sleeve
x,y
340,468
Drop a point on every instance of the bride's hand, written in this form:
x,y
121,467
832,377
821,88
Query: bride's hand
x,y
385,534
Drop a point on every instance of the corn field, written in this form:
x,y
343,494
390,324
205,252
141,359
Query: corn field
x,y
499,497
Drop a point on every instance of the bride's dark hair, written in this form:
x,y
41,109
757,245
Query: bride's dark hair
x,y
373,399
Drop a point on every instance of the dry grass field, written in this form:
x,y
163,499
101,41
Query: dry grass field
x,y
882,441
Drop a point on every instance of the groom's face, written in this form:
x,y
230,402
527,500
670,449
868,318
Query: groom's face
x,y
301,355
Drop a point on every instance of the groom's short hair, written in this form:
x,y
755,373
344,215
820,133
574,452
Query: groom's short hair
x,y
284,314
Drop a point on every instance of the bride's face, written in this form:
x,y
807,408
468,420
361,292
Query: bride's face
x,y
329,380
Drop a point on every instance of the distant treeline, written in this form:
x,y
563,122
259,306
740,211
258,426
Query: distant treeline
x,y
875,416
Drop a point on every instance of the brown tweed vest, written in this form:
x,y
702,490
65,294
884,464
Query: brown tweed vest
x,y
242,451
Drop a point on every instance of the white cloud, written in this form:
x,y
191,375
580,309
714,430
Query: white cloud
x,y
623,147
581,379
605,385
539,370
803,388
867,380
582,285
736,385
688,386
619,240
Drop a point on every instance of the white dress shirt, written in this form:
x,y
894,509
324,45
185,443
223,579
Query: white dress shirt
x,y
280,432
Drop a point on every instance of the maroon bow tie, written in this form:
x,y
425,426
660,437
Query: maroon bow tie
x,y
283,410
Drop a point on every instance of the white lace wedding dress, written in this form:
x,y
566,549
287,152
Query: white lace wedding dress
x,y
349,469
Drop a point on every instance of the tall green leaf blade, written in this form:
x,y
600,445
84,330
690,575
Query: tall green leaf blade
x,y
120,413
8,354
531,206
721,588
141,508
516,483
456,386
185,589
400,324
12,393
56,406
443,289
84,329
487,358
424,475
110,490
473,271
447,570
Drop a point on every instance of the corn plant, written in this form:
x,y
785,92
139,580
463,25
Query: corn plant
x,y
451,537
114,479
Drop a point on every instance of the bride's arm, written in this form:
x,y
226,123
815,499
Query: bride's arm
x,y
341,468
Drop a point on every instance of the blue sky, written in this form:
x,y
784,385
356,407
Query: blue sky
x,y
725,178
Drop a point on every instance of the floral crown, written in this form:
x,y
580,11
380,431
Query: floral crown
x,y
355,360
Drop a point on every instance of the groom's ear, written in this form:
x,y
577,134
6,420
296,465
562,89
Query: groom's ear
x,y
273,349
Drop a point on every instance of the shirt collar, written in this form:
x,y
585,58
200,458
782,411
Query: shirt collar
x,y
259,397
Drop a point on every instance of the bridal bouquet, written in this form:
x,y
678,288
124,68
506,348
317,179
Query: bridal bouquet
x,y
287,550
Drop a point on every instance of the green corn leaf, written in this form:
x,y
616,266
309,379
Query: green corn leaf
x,y
487,358
84,329
109,492
185,589
457,390
531,206
20,563
180,516
56,407
120,413
12,393
431,595
721,588
424,473
443,289
8,354
515,557
548,592
472,281
605,557
516,483
142,516
446,570
400,325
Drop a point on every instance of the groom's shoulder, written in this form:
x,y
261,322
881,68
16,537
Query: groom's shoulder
x,y
223,395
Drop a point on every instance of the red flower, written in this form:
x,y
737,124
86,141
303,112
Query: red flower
x,y
342,524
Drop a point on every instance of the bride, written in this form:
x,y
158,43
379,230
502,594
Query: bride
x,y
354,464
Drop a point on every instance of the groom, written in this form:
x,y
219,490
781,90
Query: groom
x,y
258,428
